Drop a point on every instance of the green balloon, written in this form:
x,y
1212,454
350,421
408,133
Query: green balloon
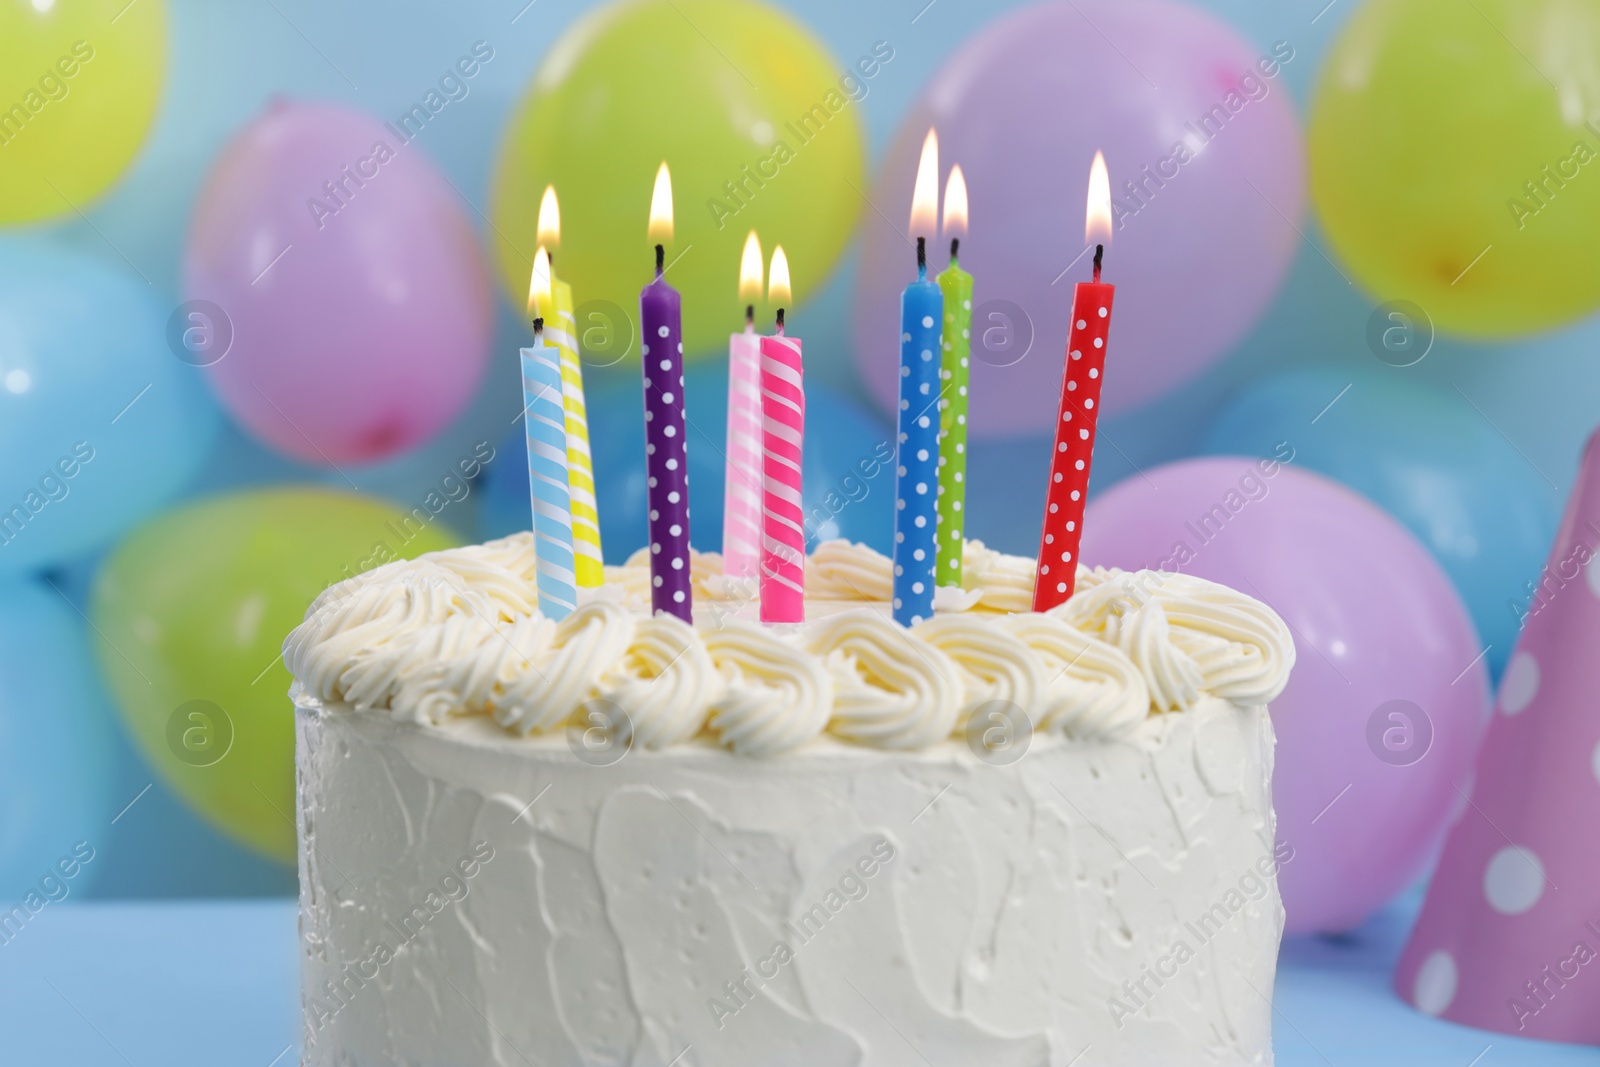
x,y
760,128
190,614
1455,159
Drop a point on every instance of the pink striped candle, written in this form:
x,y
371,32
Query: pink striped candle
x,y
742,496
783,428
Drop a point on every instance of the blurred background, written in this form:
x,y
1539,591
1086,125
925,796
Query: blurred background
x,y
262,277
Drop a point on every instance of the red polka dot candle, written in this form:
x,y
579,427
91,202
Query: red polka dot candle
x,y
1081,378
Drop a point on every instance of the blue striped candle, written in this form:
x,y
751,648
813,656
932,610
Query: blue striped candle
x,y
547,476
916,487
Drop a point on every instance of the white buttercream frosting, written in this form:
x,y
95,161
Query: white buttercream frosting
x,y
772,700
665,681
889,689
1188,636
1093,689
473,897
458,633
588,643
994,665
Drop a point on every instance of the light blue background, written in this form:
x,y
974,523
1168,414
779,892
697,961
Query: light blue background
x,y
76,988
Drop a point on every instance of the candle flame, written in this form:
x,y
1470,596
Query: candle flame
x,y
1097,222
539,284
955,203
925,195
750,270
778,292
549,219
661,207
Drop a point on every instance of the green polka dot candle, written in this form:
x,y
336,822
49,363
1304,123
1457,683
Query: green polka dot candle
x,y
956,284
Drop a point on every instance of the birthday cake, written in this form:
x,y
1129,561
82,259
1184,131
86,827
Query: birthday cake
x,y
999,837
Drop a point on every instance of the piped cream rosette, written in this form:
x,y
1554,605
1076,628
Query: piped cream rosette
x,y
458,633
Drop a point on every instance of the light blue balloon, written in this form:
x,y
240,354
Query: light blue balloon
x,y
848,474
57,748
100,423
1429,460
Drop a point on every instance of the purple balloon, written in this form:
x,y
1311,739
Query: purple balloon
x,y
339,263
1380,723
1196,258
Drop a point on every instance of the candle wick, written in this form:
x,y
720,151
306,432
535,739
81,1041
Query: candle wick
x,y
780,320
1099,253
922,258
538,331
661,259
955,248
749,314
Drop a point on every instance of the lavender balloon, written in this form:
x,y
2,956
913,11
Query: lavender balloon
x,y
1382,717
1201,241
353,284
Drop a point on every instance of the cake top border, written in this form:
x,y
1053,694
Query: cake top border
x,y
458,633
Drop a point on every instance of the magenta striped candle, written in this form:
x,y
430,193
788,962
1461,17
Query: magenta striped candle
x,y
783,427
742,500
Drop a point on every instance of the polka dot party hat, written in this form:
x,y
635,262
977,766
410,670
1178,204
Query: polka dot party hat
x,y
1509,937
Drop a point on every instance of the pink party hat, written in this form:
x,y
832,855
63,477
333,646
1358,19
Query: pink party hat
x,y
1509,937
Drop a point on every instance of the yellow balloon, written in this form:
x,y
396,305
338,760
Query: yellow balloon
x,y
1455,159
760,128
79,85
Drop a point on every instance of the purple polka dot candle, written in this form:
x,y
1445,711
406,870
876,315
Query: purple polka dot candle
x,y
666,452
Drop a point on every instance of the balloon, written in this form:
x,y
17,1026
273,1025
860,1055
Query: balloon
x,y
1006,483
99,424
56,753
754,118
191,612
1488,243
338,263
79,84
1384,711
1023,107
848,473
1431,461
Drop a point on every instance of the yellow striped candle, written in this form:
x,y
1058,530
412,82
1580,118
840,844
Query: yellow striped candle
x,y
561,331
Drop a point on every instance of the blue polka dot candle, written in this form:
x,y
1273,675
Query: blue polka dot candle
x,y
666,454
916,518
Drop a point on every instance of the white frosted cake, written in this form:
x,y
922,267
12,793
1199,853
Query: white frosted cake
x,y
997,839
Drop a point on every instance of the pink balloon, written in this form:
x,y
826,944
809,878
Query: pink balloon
x,y
351,280
1383,714
1023,107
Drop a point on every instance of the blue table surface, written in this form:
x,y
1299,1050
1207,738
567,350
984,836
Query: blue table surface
x,y
214,983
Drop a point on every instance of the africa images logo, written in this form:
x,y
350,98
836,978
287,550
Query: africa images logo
x,y
53,85
319,1007
52,888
